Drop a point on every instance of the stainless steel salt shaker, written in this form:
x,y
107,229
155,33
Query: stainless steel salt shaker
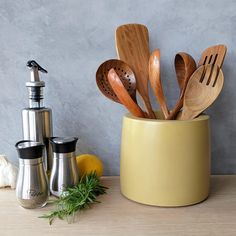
x,y
64,168
32,186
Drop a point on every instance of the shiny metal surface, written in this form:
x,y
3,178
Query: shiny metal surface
x,y
61,140
64,172
32,185
26,144
37,126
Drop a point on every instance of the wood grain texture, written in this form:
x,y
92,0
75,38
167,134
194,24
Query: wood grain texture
x,y
116,215
213,55
185,65
132,46
155,80
125,74
123,95
202,90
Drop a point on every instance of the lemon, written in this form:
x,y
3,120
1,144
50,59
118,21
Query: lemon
x,y
88,163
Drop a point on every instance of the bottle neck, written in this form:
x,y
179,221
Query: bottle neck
x,y
35,104
35,96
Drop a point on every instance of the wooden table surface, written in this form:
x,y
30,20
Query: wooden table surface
x,y
116,215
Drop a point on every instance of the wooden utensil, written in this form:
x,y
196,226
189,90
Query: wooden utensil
x,y
213,55
123,95
125,74
202,90
185,65
132,46
155,80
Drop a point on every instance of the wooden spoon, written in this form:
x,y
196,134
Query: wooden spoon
x,y
123,95
202,90
185,65
124,72
155,80
213,55
132,46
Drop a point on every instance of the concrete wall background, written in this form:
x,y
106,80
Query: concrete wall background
x,y
72,38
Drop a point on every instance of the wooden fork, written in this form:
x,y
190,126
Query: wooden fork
x,y
203,88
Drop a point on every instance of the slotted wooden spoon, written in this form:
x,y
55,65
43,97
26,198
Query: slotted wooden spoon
x,y
202,90
123,95
132,46
155,80
185,65
213,55
125,74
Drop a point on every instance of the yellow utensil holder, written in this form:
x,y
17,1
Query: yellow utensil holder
x,y
165,163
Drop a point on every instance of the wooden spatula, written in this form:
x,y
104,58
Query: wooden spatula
x,y
132,45
123,95
213,55
203,88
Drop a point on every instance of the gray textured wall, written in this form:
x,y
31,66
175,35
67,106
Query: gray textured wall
x,y
72,37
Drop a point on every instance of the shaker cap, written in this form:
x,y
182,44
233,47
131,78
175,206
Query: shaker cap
x,y
63,144
29,149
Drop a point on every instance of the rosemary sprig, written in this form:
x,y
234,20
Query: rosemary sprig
x,y
76,198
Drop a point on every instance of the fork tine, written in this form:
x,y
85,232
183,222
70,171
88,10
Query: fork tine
x,y
201,73
205,60
210,76
215,59
207,75
214,75
210,59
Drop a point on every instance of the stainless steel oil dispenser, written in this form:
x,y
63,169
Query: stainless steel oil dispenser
x,y
37,119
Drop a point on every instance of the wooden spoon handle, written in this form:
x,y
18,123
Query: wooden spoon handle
x,y
176,109
123,95
148,107
178,106
186,115
155,80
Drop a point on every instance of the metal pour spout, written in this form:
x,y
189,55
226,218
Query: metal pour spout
x,y
35,85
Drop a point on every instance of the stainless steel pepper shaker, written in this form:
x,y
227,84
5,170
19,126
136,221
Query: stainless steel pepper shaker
x,y
64,168
32,185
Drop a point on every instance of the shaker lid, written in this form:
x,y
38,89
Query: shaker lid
x,y
63,144
29,149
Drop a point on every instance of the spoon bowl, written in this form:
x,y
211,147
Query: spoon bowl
x,y
202,90
125,74
185,65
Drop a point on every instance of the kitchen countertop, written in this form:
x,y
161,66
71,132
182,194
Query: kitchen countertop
x,y
116,215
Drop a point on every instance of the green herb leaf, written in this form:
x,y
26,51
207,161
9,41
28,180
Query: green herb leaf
x,y
76,198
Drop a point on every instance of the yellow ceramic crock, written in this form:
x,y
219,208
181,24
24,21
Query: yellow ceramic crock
x,y
165,163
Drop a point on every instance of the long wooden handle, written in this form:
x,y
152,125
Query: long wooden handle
x,y
148,107
177,107
155,80
123,95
